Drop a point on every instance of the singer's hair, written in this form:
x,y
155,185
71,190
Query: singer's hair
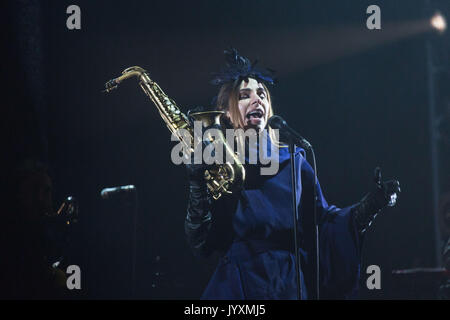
x,y
228,101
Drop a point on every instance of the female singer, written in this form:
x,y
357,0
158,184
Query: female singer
x,y
253,228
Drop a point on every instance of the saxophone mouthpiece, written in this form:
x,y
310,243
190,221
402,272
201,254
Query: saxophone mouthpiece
x,y
110,85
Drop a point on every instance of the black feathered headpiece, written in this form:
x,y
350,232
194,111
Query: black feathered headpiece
x,y
239,67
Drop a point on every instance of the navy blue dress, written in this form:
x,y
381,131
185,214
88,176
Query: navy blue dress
x,y
255,232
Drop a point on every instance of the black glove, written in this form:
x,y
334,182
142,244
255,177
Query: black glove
x,y
198,219
383,195
199,200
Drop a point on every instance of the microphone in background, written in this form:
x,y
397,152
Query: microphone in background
x,y
277,122
107,192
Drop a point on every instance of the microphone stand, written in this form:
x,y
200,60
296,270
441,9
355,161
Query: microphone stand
x,y
295,218
134,202
134,244
316,227
292,147
276,122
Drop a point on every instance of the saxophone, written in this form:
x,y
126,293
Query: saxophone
x,y
220,178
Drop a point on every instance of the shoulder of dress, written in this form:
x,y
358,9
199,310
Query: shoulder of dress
x,y
297,149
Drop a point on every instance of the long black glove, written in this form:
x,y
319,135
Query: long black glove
x,y
199,200
384,195
198,219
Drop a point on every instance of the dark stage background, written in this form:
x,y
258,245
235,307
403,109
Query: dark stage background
x,y
360,109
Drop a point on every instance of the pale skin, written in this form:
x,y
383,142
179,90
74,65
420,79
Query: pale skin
x,y
253,105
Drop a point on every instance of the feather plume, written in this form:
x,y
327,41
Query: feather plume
x,y
240,67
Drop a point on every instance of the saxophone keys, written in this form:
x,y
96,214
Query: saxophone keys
x,y
207,175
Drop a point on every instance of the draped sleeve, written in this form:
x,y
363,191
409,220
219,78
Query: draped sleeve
x,y
339,242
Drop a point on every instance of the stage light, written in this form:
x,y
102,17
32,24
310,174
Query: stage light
x,y
438,22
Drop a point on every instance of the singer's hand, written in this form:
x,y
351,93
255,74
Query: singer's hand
x,y
196,172
199,200
384,194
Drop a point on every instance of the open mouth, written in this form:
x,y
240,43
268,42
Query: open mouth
x,y
255,114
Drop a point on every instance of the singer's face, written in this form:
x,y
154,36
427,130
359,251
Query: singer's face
x,y
253,105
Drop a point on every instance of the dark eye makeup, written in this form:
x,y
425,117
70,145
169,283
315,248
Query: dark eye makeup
x,y
245,95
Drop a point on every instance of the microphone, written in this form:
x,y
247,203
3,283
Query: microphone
x,y
107,192
277,122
